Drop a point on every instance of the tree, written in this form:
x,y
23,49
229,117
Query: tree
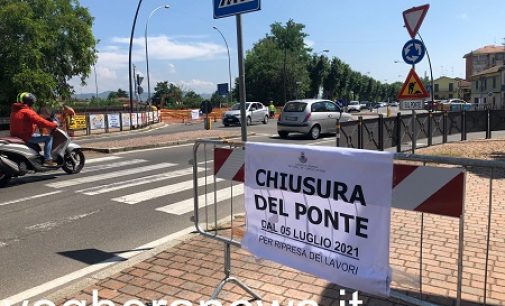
x,y
276,62
218,100
318,68
122,93
44,44
192,99
167,93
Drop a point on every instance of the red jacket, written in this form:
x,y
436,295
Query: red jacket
x,y
25,120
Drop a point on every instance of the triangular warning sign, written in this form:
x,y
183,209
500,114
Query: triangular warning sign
x,y
414,18
413,88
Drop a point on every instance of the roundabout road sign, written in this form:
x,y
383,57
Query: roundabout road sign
x,y
413,51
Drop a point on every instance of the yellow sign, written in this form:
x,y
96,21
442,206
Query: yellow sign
x,y
413,88
79,122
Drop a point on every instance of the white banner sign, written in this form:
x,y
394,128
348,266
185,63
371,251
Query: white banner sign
x,y
195,114
96,121
113,121
125,117
321,210
134,122
150,116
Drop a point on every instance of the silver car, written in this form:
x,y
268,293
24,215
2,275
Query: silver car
x,y
255,112
311,117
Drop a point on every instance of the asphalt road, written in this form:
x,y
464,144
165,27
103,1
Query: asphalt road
x,y
53,224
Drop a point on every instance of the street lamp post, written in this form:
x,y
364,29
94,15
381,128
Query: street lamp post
x,y
147,54
130,56
229,64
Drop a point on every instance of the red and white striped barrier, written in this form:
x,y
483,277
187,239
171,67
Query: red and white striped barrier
x,y
435,190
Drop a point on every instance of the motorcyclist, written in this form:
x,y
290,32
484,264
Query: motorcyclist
x,y
24,121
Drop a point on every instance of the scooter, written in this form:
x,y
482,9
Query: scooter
x,y
18,159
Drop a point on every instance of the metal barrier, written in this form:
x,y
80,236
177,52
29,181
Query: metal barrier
x,y
211,214
434,127
458,256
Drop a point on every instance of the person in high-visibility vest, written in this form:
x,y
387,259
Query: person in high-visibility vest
x,y
271,109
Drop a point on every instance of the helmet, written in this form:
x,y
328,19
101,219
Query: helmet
x,y
20,97
28,98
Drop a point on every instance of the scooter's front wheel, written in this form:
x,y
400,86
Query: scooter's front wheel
x,y
74,162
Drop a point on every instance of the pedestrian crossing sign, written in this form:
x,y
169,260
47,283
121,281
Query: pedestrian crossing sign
x,y
413,88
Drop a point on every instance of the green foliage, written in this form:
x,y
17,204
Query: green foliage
x,y
218,100
44,44
192,99
167,94
277,62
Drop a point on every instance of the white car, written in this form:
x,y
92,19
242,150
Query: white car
x,y
255,112
354,106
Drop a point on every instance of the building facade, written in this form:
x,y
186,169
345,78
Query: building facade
x,y
488,87
483,59
445,88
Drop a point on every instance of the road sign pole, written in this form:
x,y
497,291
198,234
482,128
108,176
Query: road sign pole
x,y
241,71
414,136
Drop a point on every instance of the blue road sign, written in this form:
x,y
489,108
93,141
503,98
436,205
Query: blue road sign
x,y
226,8
413,51
222,89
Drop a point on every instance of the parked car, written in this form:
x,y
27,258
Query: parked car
x,y
432,105
311,117
354,106
394,104
255,112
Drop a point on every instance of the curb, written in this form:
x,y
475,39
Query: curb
x,y
155,145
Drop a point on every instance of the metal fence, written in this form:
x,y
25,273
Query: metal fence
x,y
409,130
436,260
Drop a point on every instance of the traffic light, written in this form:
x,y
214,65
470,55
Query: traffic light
x,y
139,79
140,90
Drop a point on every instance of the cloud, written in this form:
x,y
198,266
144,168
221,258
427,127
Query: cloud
x,y
167,48
198,86
112,63
171,69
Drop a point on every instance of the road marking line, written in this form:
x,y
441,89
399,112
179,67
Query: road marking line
x,y
186,206
155,193
113,165
30,198
101,159
94,178
135,182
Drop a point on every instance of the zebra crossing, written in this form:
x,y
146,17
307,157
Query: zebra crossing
x,y
117,174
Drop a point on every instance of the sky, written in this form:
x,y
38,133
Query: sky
x,y
184,49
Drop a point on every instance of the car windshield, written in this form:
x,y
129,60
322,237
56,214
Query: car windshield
x,y
235,106
295,107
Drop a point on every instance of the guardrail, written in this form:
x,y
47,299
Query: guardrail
x,y
382,132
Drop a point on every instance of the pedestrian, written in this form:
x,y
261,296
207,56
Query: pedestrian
x,y
271,109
